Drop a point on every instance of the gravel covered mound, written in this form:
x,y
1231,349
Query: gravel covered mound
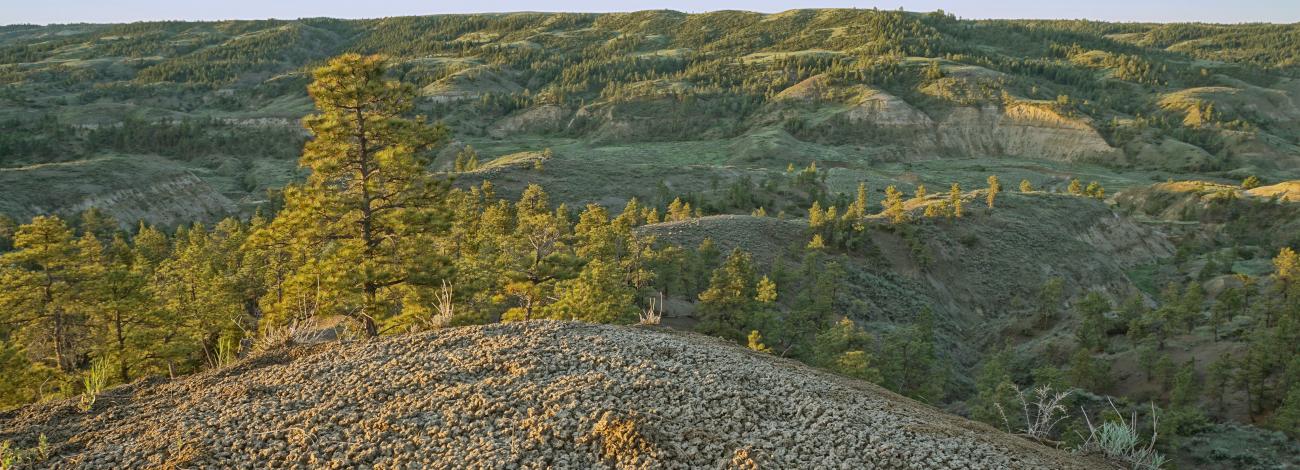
x,y
519,395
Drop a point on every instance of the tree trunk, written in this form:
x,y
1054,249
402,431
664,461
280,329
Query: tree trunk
x,y
121,348
368,310
60,352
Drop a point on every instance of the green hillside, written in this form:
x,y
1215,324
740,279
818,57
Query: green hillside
x,y
853,89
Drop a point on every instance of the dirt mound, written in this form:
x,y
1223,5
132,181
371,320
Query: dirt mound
x,y
1286,191
537,394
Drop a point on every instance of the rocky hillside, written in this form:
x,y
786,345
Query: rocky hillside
x,y
536,394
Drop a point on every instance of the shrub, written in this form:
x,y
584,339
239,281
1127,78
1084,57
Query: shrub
x,y
95,381
1042,410
306,331
1119,441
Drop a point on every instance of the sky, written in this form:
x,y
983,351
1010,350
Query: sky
x,y
122,11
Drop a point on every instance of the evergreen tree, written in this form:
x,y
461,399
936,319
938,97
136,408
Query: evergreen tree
x,y
197,300
537,254
1050,297
817,219
766,291
124,315
1253,370
954,201
1185,389
1287,416
755,342
993,388
1228,303
1218,379
1025,186
816,243
23,380
1192,301
43,287
1251,182
1286,268
1089,373
894,206
910,362
858,209
1075,188
727,304
597,295
369,211
8,227
994,187
844,348
1091,332
1095,190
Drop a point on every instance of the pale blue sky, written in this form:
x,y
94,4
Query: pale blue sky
x,y
118,11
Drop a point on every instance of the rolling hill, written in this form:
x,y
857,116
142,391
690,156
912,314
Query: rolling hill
x,y
632,95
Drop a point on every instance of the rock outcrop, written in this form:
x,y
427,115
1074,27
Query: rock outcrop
x,y
168,203
522,395
1022,130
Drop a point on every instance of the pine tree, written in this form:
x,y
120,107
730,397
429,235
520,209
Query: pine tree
x,y
936,209
471,161
677,211
651,216
23,381
1227,304
1185,388
1253,370
1087,372
368,211
1050,297
537,254
954,201
1191,305
7,229
993,387
727,304
894,206
816,243
858,209
994,188
1095,190
909,360
766,291
755,342
844,348
197,298
124,314
816,217
1218,379
1091,332
920,191
597,295
1286,268
1251,182
42,286
1287,416
1075,188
